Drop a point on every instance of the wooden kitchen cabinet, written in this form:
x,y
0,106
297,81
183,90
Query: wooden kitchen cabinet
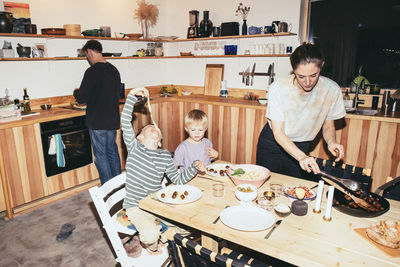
x,y
24,165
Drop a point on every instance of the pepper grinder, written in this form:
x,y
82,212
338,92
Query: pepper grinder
x,y
386,103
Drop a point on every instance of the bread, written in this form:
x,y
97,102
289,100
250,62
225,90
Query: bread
x,y
386,233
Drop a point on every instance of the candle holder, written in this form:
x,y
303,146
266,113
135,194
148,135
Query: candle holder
x,y
317,211
327,220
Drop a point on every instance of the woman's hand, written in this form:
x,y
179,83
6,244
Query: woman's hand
x,y
309,164
199,165
337,150
212,153
139,92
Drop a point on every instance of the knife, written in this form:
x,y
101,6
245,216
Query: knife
x,y
252,73
278,222
243,76
272,72
269,74
247,75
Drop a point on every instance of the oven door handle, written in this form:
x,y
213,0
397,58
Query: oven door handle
x,y
63,132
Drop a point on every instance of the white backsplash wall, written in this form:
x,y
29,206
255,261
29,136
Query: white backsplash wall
x,y
56,78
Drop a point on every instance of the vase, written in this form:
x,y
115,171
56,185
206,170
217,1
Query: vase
x,y
145,28
6,22
206,25
244,27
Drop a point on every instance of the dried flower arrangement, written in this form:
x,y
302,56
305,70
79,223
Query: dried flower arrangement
x,y
242,11
147,15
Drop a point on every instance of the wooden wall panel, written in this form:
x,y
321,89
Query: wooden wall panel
x,y
387,153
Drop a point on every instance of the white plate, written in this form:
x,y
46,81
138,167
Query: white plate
x,y
217,167
247,218
194,194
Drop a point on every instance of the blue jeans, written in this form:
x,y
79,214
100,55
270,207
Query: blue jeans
x,y
105,152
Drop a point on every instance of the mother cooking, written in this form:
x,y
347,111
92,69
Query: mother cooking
x,y
298,107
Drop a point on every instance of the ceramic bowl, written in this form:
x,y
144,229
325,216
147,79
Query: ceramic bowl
x,y
45,107
262,101
263,172
246,192
186,92
282,210
24,51
119,35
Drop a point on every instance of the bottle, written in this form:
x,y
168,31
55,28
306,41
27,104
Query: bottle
x,y
206,25
223,92
27,107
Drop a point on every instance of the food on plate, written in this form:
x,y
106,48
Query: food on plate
x,y
386,233
217,170
176,195
300,192
291,191
245,189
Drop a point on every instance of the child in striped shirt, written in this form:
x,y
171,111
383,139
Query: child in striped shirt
x,y
145,167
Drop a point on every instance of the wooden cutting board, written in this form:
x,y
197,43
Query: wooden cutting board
x,y
389,251
214,76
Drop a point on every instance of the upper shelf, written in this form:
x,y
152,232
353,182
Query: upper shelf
x,y
165,57
280,34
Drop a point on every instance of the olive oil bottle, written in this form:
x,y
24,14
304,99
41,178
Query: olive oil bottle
x,y
26,102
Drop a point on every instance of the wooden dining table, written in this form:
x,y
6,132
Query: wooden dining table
x,y
300,240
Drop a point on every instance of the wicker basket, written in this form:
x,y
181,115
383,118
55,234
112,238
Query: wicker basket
x,y
72,29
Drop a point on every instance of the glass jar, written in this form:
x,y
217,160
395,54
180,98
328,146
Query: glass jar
x,y
159,50
150,49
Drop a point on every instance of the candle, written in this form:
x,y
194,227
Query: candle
x,y
317,208
327,216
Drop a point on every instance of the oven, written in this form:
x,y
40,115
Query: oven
x,y
75,146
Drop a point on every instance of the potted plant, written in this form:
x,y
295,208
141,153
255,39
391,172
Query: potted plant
x,y
147,15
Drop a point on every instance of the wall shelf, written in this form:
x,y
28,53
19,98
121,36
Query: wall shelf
x,y
280,34
166,57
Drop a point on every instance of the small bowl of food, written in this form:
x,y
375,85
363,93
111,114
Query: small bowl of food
x,y
282,210
246,192
300,193
45,107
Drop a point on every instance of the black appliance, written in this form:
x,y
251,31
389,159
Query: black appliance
x,y
193,30
206,25
76,139
229,28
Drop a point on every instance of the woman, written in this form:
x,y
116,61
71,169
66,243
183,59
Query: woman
x,y
298,107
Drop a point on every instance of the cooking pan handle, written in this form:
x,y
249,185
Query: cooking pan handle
x,y
382,188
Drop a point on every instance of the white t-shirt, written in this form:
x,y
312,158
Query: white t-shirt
x,y
304,114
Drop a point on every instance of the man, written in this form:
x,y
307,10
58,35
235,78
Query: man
x,y
99,90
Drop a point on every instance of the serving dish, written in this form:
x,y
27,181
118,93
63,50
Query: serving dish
x,y
186,92
341,203
186,54
133,35
252,174
217,169
53,31
92,32
310,194
107,54
117,54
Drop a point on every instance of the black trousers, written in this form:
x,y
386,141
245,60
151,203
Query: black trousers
x,y
272,156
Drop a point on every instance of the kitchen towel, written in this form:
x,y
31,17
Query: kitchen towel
x,y
59,147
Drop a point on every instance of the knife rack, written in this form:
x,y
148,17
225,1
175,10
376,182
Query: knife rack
x,y
255,73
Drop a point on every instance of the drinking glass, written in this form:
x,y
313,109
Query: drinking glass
x,y
218,190
265,203
276,188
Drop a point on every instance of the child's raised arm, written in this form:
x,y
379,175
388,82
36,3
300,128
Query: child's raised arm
x,y
126,116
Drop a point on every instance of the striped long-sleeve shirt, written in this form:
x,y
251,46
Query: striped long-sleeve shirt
x,y
145,167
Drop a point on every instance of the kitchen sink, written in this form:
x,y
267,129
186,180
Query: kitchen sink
x,y
366,112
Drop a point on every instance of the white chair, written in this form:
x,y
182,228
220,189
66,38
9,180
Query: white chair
x,y
115,190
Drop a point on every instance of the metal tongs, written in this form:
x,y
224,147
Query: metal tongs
x,y
350,184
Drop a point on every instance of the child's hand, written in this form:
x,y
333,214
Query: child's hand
x,y
139,92
200,166
212,153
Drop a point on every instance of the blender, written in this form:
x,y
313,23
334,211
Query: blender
x,y
193,30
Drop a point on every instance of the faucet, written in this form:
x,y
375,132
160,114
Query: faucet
x,y
357,101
